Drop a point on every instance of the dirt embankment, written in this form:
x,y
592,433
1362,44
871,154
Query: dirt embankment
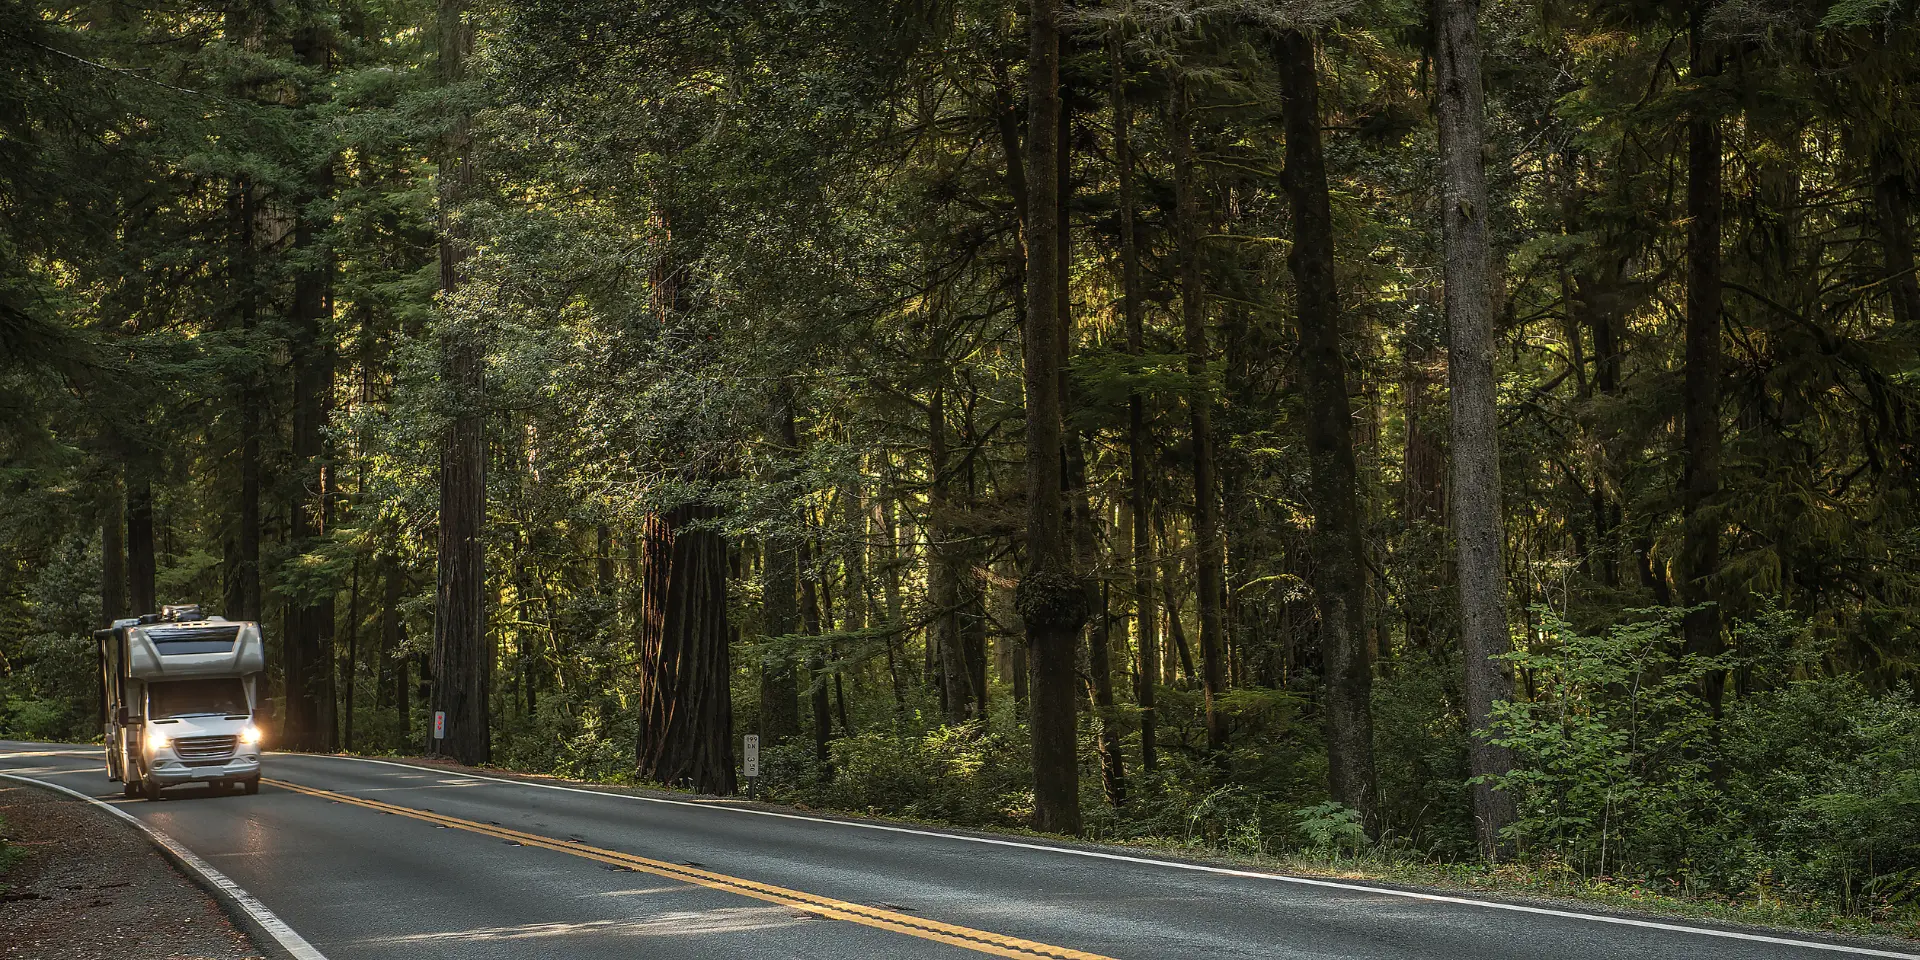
x,y
90,887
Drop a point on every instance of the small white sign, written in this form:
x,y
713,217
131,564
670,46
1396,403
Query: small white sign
x,y
439,724
751,755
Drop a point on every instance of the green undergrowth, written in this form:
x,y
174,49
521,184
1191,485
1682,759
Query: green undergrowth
x,y
1762,908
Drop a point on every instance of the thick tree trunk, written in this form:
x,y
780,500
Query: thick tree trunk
x,y
1098,632
1479,533
393,663
1051,597
308,722
1206,487
140,564
779,590
462,658
242,589
1340,580
1700,483
685,700
113,555
779,687
959,700
1145,620
242,567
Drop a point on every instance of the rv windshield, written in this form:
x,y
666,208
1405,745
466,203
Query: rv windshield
x,y
196,698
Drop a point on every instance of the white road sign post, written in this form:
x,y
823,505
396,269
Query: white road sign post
x,y
750,760
439,724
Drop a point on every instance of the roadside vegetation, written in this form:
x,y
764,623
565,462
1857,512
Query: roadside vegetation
x,y
1450,442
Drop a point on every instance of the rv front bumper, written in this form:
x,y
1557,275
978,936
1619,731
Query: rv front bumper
x,y
168,771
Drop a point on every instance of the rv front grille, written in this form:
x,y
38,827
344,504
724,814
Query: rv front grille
x,y
203,748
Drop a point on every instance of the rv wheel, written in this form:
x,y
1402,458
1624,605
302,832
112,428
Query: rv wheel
x,y
252,785
149,789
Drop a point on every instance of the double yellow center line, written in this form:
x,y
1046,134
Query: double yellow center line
x,y
980,941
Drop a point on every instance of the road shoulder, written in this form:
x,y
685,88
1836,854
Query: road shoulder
x,y
90,887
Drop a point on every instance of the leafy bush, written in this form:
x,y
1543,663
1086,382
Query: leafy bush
x,y
1420,753
1614,751
1826,780
1332,828
962,774
1809,790
53,691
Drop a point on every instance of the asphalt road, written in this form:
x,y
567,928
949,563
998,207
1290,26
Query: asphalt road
x,y
377,860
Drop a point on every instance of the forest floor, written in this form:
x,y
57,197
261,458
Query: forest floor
x,y
1532,884
78,884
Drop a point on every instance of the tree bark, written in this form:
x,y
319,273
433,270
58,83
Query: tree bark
x,y
1479,533
959,701
140,565
308,721
1340,580
1206,486
242,589
779,589
462,659
113,555
1700,473
1138,444
685,700
1051,597
392,637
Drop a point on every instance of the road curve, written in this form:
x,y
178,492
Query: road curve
x,y
370,859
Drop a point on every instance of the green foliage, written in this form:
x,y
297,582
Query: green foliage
x,y
1420,745
1331,828
961,774
51,692
1860,13
1614,748
1806,790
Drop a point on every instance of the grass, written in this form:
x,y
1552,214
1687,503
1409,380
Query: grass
x,y
1557,882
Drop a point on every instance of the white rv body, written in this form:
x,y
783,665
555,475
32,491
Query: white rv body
x,y
181,697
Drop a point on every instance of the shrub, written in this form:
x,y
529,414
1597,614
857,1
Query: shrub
x,y
1808,790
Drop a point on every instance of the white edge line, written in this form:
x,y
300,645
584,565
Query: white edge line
x,y
1174,864
276,928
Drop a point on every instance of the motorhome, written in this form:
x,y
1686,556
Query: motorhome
x,y
181,691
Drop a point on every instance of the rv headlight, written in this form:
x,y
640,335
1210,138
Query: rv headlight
x,y
158,740
250,734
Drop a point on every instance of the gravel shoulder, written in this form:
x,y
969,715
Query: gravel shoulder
x,y
86,886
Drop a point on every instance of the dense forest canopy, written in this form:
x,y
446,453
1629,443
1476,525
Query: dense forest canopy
x,y
1456,430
